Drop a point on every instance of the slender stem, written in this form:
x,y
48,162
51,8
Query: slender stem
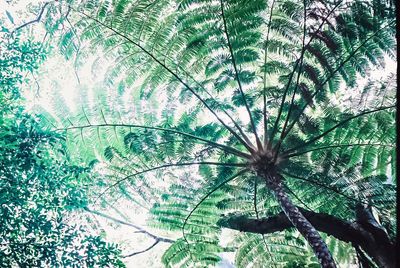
x,y
138,228
38,18
223,110
174,75
241,132
275,127
187,74
206,196
141,251
224,147
303,49
321,185
157,239
298,198
259,145
333,189
336,126
320,87
336,146
265,76
294,69
167,166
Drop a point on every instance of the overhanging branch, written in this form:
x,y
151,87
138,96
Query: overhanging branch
x,y
38,18
369,238
326,223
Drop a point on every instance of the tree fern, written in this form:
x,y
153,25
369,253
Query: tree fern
x,y
214,86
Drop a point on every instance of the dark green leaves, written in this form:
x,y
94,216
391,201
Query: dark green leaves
x,y
39,186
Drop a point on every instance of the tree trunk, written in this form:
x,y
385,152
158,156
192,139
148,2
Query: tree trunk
x,y
362,235
300,222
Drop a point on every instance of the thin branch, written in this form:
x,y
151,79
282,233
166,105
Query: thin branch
x,y
323,185
167,166
173,74
303,49
187,74
275,127
142,251
351,55
265,76
138,228
37,93
336,126
206,196
337,191
240,131
157,239
38,18
297,197
224,147
294,69
259,145
336,146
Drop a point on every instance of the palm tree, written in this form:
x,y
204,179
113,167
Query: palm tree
x,y
254,94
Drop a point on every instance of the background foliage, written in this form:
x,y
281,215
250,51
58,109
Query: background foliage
x,y
39,187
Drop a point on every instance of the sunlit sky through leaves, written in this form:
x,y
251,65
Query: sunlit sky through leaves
x,y
59,76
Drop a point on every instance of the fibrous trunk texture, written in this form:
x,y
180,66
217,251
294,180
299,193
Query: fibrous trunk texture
x,y
301,223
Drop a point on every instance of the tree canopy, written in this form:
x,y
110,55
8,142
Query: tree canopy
x,y
259,117
39,186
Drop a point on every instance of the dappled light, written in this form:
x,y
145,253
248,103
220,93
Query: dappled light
x,y
207,133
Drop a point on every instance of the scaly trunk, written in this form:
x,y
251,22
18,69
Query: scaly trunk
x,y
300,222
362,234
